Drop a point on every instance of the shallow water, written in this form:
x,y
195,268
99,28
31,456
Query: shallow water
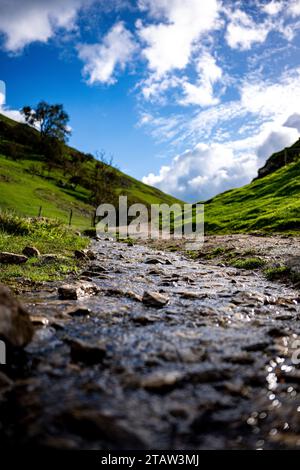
x,y
212,369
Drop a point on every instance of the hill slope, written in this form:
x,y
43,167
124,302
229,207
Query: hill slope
x,y
26,185
270,203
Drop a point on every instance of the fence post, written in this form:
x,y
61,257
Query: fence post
x,y
94,219
70,218
40,211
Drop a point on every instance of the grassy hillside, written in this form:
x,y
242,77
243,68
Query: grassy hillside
x,y
26,184
271,203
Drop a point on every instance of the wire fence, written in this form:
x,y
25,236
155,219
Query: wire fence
x,y
72,217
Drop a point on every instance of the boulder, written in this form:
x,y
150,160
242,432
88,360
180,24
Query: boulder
x,y
16,328
31,252
12,258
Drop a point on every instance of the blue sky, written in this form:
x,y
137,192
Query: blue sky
x,y
189,95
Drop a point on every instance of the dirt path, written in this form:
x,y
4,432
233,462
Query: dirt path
x,y
204,362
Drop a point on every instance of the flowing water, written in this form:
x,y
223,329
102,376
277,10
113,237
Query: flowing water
x,y
205,362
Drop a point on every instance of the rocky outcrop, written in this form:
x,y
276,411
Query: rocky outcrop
x,y
279,159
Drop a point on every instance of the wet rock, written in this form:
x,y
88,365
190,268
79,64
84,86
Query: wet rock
x,y
132,295
156,261
103,425
85,254
277,332
162,381
192,295
5,383
12,258
15,325
80,312
77,290
289,376
154,299
31,252
86,352
207,374
243,359
260,346
80,254
39,320
97,268
144,319
91,255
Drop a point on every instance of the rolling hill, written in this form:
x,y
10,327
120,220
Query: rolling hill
x,y
29,188
271,203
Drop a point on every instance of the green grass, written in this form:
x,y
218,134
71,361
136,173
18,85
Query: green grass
x,y
26,193
48,236
282,273
26,185
277,273
267,205
248,263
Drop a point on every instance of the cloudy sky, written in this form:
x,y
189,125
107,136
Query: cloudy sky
x,y
189,95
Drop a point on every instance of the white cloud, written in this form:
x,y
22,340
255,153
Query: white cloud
x,y
293,121
169,43
294,8
242,32
202,93
268,98
276,141
273,8
267,111
204,171
2,93
25,21
101,60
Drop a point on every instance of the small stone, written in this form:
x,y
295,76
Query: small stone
x,y
208,374
132,295
256,347
80,312
144,319
162,381
97,268
12,258
277,333
31,252
39,320
243,359
91,255
154,299
88,353
77,291
154,261
80,254
193,295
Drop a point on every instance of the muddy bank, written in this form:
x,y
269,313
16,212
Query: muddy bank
x,y
164,352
